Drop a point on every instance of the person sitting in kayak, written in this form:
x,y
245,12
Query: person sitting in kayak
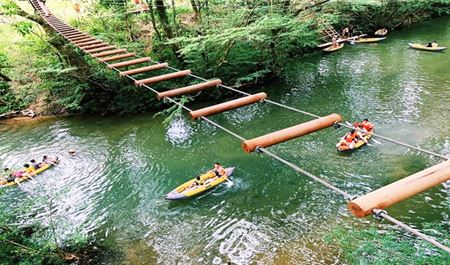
x,y
49,160
366,125
7,176
349,139
218,170
35,164
335,43
197,182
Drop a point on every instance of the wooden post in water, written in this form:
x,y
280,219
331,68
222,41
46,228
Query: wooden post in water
x,y
400,190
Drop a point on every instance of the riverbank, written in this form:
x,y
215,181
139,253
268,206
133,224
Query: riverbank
x,y
243,48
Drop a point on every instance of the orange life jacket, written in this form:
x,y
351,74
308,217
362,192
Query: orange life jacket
x,y
350,137
367,125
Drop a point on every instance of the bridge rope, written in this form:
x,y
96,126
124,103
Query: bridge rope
x,y
347,196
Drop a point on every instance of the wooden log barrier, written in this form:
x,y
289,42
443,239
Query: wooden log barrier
x,y
84,44
161,78
83,40
189,89
233,104
117,57
101,49
144,69
291,132
107,53
400,190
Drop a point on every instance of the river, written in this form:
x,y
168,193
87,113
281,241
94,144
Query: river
x,y
113,187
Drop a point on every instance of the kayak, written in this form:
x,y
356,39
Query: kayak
x,y
359,144
369,40
185,191
425,48
332,49
24,178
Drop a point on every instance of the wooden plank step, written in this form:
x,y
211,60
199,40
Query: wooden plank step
x,y
118,57
79,38
103,54
95,46
89,43
128,63
189,89
83,40
143,69
160,78
106,48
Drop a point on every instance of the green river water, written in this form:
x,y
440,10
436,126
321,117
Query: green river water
x,y
113,187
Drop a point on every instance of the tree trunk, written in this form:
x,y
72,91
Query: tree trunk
x,y
195,8
152,17
163,18
5,78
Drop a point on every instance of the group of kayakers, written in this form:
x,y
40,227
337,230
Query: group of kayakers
x,y
28,170
358,134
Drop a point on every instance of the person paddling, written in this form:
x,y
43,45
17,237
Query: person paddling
x,y
349,139
218,170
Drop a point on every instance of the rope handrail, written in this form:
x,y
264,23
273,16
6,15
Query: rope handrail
x,y
379,213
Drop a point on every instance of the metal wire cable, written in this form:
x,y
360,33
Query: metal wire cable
x,y
383,214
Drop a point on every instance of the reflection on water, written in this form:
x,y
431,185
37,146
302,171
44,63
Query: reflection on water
x,y
113,187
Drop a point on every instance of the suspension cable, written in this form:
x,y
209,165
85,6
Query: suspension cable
x,y
379,214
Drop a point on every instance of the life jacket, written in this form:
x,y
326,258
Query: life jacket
x,y
367,125
350,137
199,182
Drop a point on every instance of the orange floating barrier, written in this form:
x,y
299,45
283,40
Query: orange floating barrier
x,y
128,63
118,57
103,54
106,48
232,104
161,78
89,43
291,132
144,69
400,190
189,89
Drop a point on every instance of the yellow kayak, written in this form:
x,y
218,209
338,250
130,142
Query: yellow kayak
x,y
359,144
332,49
425,48
24,178
369,40
210,181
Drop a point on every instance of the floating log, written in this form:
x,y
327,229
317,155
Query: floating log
x,y
291,132
103,54
117,57
233,104
83,40
89,43
94,46
400,190
144,69
161,78
130,62
101,49
189,89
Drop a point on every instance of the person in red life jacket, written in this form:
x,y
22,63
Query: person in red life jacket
x,y
366,125
349,139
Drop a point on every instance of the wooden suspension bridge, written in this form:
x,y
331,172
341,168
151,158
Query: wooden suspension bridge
x,y
371,203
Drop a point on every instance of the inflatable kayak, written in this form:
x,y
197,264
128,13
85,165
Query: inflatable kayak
x,y
359,144
425,48
210,181
3,183
369,40
332,49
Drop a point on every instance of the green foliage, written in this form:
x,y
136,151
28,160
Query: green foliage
x,y
374,246
23,27
174,111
